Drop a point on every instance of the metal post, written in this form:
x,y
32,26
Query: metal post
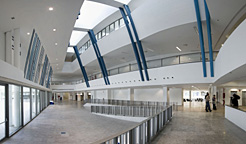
x,y
199,24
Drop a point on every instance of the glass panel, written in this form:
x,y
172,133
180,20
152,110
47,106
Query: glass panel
x,y
2,112
111,27
103,32
99,35
124,69
38,102
170,61
154,63
190,58
26,104
113,71
107,30
34,103
14,108
116,25
134,67
122,22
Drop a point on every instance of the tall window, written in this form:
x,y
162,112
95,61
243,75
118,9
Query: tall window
x,y
26,105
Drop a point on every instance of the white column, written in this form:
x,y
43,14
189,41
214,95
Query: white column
x,y
17,48
9,46
131,94
85,95
79,97
165,94
176,95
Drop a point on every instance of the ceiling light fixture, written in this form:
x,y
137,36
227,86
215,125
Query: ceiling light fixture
x,y
178,48
56,58
28,33
54,30
56,44
51,8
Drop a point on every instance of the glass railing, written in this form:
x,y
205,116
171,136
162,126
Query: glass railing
x,y
161,62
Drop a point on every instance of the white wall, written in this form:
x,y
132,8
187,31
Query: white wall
x,y
148,94
2,46
176,95
120,94
236,116
100,94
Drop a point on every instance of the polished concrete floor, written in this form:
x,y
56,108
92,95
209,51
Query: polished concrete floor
x,y
79,125
192,125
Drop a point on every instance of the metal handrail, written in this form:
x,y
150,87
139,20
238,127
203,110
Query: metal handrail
x,y
95,76
143,132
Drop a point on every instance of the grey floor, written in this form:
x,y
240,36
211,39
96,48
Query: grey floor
x,y
192,125
71,117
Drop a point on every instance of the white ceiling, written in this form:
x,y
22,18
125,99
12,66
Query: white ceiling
x,y
35,14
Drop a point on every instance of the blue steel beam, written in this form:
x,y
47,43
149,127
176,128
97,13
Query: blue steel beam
x,y
199,24
140,47
99,57
133,43
209,39
81,66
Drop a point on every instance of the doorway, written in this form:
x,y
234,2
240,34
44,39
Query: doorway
x,y
244,98
2,112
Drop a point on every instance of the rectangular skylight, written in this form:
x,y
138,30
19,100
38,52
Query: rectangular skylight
x,y
70,50
76,37
123,1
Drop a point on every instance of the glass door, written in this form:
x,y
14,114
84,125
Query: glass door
x,y
2,113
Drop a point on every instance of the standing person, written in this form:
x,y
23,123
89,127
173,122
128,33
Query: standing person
x,y
207,103
214,106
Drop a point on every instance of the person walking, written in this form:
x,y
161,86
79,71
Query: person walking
x,y
207,103
214,103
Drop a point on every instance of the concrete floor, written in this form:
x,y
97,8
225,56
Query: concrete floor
x,y
192,125
71,117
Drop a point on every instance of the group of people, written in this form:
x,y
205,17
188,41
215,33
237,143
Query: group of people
x,y
207,98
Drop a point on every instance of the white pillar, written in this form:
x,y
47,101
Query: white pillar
x,y
131,94
165,94
79,97
17,48
9,46
85,95
176,95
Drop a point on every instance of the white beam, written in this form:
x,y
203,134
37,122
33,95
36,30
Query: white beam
x,y
109,2
81,29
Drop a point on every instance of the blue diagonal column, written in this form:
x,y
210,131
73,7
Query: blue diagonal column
x,y
209,39
81,66
99,57
140,47
28,53
199,25
133,43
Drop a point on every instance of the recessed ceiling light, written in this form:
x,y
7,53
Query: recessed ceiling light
x,y
56,58
28,33
54,30
56,43
178,48
222,45
51,8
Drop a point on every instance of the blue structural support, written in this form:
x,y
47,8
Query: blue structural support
x,y
34,62
99,57
209,39
199,24
81,66
140,47
133,43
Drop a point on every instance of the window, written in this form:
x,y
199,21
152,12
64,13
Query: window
x,y
99,35
116,25
103,33
111,27
107,30
15,115
122,22
26,104
34,103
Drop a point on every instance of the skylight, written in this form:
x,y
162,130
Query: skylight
x,y
70,50
92,13
76,37
123,1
